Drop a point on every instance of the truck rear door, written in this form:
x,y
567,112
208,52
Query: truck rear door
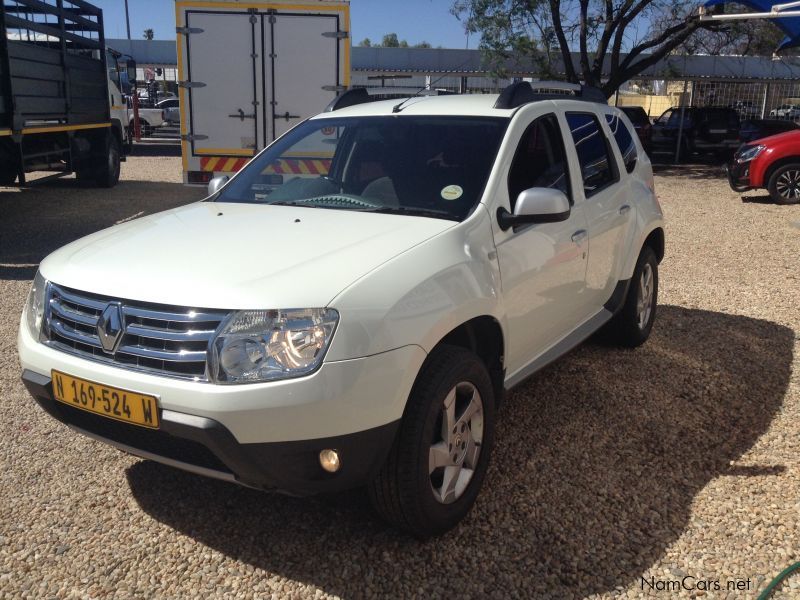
x,y
225,83
250,72
303,67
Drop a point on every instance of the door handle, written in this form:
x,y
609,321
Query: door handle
x,y
241,115
579,236
286,116
623,210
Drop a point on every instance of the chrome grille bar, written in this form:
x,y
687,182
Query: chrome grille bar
x,y
165,340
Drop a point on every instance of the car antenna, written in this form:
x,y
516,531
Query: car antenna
x,y
398,107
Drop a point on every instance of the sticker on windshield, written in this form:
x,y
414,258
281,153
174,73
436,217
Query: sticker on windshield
x,y
452,192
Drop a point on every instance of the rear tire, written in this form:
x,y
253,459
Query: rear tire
x,y
784,184
104,170
437,464
108,174
632,325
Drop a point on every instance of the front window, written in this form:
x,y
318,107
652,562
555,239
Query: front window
x,y
415,165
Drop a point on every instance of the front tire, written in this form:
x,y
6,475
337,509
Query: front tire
x,y
784,184
632,325
437,464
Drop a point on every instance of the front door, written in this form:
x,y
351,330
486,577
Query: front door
x,y
542,266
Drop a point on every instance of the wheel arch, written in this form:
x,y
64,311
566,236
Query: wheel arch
x,y
770,170
655,240
482,335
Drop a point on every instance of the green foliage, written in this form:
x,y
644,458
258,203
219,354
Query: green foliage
x,y
390,40
148,34
624,36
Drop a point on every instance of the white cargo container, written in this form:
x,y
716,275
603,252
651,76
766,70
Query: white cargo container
x,y
250,71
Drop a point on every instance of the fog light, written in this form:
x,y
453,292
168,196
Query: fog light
x,y
329,460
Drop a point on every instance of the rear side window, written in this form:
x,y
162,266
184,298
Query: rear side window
x,y
624,140
597,168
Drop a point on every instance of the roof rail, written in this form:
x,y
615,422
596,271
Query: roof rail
x,y
362,95
524,92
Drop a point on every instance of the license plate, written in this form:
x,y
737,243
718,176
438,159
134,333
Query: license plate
x,y
111,402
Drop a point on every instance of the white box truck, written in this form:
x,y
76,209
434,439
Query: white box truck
x,y
250,71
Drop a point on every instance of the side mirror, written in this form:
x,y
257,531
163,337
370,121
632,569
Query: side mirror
x,y
535,205
215,184
130,66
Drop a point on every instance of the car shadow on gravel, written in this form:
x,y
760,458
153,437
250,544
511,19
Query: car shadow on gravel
x,y
597,462
39,219
690,171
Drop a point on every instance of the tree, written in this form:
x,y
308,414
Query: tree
x,y
757,37
631,34
366,43
422,44
148,34
390,41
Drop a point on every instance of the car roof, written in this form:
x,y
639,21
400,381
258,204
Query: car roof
x,y
479,105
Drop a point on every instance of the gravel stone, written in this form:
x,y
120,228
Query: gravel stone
x,y
613,468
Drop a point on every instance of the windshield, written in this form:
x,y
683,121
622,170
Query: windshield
x,y
428,166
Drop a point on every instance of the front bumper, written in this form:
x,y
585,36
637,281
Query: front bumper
x,y
205,446
738,176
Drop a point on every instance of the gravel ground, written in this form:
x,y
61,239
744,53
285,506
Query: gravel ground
x,y
616,473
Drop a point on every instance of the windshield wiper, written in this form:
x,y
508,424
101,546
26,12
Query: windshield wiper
x,y
416,211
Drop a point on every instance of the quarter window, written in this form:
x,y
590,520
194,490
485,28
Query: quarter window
x,y
624,140
540,160
597,168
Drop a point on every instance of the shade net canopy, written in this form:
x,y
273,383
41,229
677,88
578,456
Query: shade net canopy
x,y
789,25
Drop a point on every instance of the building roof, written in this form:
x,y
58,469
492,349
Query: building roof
x,y
433,61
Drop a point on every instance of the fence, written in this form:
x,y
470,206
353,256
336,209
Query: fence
x,y
751,99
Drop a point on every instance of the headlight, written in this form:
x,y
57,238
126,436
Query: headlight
x,y
749,153
264,345
34,309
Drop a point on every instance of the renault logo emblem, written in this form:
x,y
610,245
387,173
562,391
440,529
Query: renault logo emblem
x,y
109,327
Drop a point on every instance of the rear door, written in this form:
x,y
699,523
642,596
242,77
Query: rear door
x,y
225,79
607,209
303,71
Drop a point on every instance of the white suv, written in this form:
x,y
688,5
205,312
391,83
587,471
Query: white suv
x,y
350,308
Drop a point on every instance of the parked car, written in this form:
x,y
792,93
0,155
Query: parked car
x,y
641,123
705,130
773,163
746,109
754,129
172,112
151,119
786,111
358,324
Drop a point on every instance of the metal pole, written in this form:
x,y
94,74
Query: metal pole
x,y
127,19
680,124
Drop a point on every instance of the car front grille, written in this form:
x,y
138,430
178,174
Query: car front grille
x,y
164,340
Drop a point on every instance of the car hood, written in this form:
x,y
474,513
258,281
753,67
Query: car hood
x,y
778,138
237,256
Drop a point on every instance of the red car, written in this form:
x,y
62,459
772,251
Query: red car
x,y
773,163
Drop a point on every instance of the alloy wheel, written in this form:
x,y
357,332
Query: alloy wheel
x,y
788,184
454,454
644,302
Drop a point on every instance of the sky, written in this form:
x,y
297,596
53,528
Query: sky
x,y
412,20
